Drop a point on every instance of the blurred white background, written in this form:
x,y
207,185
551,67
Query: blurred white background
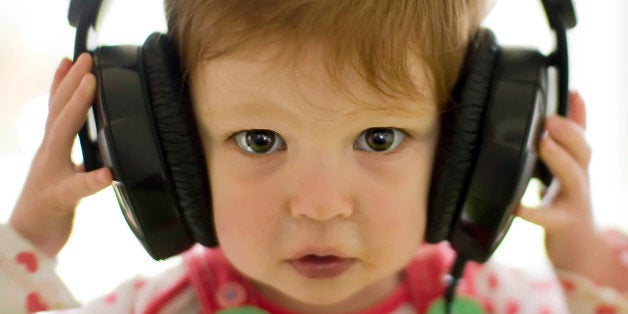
x,y
102,251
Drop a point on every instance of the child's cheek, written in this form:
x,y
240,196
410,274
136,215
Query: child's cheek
x,y
245,212
394,201
249,204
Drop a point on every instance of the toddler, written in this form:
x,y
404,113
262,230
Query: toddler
x,y
319,122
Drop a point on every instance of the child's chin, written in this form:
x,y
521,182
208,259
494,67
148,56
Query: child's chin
x,y
296,292
323,297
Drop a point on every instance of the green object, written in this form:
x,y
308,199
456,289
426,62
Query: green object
x,y
242,310
461,305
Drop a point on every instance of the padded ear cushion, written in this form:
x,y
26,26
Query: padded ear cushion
x,y
178,135
461,125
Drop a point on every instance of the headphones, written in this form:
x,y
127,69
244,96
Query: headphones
x,y
142,128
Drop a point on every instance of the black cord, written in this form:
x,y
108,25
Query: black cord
x,y
454,278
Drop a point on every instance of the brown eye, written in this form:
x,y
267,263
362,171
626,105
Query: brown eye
x,y
379,140
259,141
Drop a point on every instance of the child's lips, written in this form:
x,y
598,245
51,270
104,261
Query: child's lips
x,y
314,266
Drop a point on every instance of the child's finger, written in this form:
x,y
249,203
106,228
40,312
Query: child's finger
x,y
79,168
539,216
68,85
571,176
81,185
72,117
570,136
62,71
577,111
549,218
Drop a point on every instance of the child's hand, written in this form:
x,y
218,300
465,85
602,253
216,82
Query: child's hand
x,y
571,239
44,211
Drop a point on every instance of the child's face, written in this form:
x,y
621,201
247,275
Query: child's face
x,y
300,170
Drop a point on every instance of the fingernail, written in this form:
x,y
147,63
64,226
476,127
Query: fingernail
x,y
550,122
576,95
83,84
549,142
82,58
87,79
62,63
103,176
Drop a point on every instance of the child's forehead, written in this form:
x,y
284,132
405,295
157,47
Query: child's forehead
x,y
272,75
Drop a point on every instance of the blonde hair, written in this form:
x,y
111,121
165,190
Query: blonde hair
x,y
375,37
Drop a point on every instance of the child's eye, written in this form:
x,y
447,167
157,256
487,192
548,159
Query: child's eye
x,y
259,141
379,140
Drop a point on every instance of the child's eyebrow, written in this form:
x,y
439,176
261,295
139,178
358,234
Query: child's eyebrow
x,y
254,105
235,115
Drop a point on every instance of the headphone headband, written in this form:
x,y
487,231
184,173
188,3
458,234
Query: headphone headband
x,y
561,16
560,12
83,14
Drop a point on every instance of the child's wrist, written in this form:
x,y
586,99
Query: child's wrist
x,y
571,249
617,244
602,258
47,234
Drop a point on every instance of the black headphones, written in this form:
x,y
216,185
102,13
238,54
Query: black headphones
x,y
145,133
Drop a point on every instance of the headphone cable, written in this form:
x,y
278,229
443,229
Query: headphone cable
x,y
453,279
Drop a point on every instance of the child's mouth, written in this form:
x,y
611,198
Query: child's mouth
x,y
319,267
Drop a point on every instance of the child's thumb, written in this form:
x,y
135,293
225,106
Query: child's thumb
x,y
87,183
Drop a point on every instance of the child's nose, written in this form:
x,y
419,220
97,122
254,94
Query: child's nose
x,y
321,191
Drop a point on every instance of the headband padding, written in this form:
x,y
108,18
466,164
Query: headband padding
x,y
461,125
178,135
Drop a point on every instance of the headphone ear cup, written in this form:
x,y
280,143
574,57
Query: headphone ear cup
x,y
178,135
461,125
